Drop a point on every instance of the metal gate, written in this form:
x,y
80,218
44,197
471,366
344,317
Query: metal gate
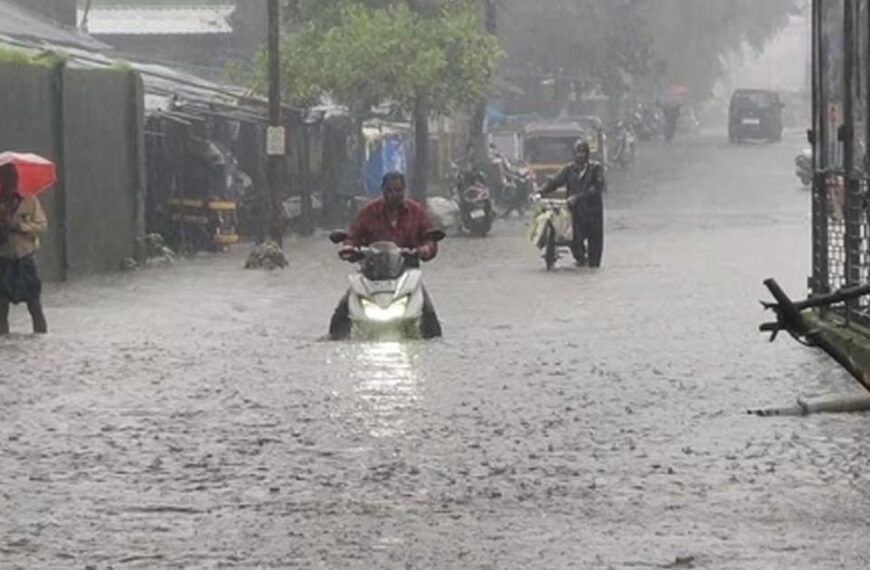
x,y
841,234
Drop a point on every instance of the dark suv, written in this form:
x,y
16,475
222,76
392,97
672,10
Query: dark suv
x,y
755,114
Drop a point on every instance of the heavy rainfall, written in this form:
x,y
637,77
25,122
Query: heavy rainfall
x,y
434,284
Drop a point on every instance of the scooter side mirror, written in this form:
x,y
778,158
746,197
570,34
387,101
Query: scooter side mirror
x,y
338,236
436,235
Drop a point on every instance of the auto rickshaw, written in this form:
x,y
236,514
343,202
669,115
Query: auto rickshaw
x,y
548,146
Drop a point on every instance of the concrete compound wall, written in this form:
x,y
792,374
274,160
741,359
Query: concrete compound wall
x,y
103,167
88,122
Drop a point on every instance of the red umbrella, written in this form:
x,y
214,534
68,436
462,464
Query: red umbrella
x,y
35,173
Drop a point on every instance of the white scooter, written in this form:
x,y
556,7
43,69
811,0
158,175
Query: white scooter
x,y
386,297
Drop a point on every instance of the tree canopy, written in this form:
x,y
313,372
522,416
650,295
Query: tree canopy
x,y
362,54
612,42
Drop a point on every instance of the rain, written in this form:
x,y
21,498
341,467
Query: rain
x,y
425,284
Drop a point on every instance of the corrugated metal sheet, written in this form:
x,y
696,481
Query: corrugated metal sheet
x,y
17,22
159,20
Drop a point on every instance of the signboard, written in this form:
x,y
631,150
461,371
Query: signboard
x,y
276,141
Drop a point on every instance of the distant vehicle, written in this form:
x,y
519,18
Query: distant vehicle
x,y
513,182
647,121
624,143
549,146
755,114
689,122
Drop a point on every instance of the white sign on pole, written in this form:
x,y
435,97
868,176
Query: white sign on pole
x,y
276,141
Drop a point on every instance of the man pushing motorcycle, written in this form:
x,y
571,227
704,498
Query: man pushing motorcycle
x,y
585,184
396,219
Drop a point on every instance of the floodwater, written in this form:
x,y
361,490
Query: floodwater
x,y
190,418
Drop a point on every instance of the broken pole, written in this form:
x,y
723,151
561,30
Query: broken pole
x,y
789,318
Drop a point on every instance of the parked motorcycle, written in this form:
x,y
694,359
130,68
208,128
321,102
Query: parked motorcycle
x,y
624,147
516,185
804,166
647,122
519,189
386,297
475,203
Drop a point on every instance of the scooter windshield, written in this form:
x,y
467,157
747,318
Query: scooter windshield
x,y
385,262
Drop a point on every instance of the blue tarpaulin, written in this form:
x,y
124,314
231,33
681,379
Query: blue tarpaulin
x,y
387,154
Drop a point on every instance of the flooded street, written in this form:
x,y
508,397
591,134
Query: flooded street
x,y
190,417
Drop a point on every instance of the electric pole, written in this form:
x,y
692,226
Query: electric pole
x,y
276,145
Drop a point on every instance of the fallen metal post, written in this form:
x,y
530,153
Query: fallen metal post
x,y
790,319
845,405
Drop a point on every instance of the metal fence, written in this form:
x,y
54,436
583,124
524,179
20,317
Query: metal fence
x,y
841,105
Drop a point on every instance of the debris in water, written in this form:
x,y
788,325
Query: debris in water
x,y
156,251
682,562
268,255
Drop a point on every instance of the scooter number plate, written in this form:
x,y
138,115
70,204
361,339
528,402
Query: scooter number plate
x,y
478,214
382,286
751,121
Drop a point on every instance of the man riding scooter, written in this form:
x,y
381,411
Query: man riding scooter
x,y
398,220
585,183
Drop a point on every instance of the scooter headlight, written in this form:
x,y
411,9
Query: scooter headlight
x,y
394,312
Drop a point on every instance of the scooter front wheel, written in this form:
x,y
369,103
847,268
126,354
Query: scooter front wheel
x,y
551,253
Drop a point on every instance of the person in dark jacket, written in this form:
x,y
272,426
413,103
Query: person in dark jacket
x,y
586,186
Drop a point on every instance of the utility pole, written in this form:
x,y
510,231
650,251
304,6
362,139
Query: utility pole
x,y
276,139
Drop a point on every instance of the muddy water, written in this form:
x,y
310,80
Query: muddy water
x,y
190,418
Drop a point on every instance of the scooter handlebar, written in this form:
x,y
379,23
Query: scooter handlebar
x,y
357,254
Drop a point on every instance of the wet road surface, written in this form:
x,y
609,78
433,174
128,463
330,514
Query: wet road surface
x,y
190,418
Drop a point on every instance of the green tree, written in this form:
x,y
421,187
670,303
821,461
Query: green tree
x,y
451,63
428,61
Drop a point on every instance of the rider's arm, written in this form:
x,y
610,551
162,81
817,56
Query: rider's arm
x,y
357,234
428,249
554,184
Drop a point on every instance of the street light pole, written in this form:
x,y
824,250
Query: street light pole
x,y
276,137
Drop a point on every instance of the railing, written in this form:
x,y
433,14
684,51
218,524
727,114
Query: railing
x,y
841,241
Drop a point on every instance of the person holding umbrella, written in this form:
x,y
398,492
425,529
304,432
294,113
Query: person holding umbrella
x,y
22,222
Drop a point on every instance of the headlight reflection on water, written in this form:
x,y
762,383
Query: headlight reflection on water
x,y
392,313
388,382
